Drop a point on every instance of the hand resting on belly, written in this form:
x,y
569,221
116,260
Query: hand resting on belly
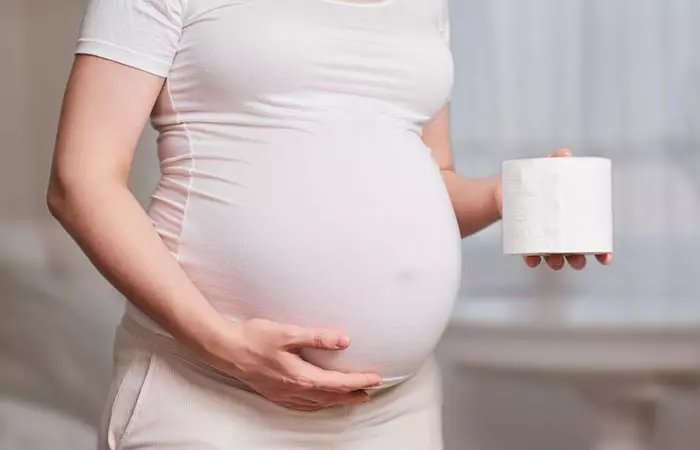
x,y
265,355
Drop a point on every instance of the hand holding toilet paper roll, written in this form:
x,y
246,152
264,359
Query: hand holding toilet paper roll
x,y
557,206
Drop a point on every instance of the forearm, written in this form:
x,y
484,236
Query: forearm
x,y
475,201
115,233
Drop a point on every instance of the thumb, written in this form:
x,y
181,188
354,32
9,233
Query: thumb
x,y
294,338
561,153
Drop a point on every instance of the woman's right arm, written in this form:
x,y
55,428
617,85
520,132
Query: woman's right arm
x,y
106,107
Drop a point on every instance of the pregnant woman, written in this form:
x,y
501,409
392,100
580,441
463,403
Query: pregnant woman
x,y
300,256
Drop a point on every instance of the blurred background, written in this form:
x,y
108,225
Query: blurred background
x,y
614,78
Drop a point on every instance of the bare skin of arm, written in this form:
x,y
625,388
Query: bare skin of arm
x,y
105,109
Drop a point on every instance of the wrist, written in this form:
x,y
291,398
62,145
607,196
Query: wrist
x,y
218,343
204,332
497,196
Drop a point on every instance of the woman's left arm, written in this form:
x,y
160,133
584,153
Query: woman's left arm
x,y
475,201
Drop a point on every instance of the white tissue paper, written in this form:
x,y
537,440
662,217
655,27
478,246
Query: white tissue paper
x,y
557,205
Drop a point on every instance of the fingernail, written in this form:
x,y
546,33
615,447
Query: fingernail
x,y
343,341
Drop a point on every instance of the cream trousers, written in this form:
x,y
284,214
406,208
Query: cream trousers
x,y
160,399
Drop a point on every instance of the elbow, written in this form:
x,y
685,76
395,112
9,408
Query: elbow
x,y
446,167
69,195
61,195
56,200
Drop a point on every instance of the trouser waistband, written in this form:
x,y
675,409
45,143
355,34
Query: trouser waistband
x,y
166,345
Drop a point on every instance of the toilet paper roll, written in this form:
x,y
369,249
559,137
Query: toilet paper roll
x,y
557,205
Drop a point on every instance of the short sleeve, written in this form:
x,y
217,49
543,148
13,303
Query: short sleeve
x,y
143,34
444,28
445,20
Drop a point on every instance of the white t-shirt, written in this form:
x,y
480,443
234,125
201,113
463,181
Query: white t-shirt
x,y
295,184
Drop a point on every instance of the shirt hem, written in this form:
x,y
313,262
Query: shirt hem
x,y
123,55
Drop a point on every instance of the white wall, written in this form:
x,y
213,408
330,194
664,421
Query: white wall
x,y
601,77
13,113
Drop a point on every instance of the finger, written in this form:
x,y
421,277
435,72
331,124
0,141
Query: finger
x,y
604,258
305,402
532,261
309,409
577,262
562,153
328,380
334,399
352,398
556,262
299,337
358,398
295,402
302,407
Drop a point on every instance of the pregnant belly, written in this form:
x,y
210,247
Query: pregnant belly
x,y
350,237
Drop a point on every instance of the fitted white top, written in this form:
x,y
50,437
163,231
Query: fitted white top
x,y
295,184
